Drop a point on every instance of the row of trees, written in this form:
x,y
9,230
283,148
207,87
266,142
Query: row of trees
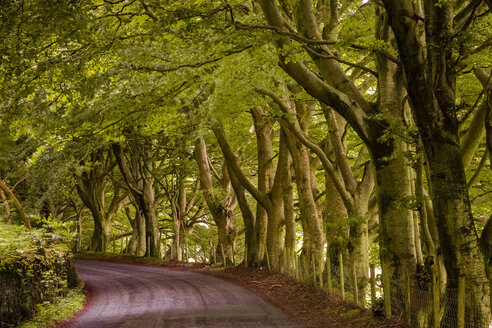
x,y
314,126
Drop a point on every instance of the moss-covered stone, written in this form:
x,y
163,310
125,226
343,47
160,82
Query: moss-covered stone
x,y
30,279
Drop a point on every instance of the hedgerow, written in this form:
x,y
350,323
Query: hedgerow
x,y
35,268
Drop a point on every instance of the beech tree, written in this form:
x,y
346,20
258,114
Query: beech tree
x,y
430,80
309,115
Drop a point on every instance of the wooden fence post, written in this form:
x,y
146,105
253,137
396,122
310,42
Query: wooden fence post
x,y
328,273
214,253
461,301
386,289
285,261
224,262
408,300
245,255
305,268
354,280
436,307
373,283
148,246
342,282
298,267
315,273
292,263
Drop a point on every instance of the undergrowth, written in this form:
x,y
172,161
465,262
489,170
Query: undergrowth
x,y
62,308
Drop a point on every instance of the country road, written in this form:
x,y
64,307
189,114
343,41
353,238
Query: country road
x,y
129,295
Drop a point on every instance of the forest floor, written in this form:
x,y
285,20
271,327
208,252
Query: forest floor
x,y
306,304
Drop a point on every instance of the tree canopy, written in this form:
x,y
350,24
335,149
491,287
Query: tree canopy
x,y
259,128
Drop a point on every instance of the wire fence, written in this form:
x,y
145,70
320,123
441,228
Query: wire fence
x,y
419,300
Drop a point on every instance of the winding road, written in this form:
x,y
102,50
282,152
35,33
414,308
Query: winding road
x,y
129,295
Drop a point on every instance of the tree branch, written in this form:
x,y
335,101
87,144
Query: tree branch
x,y
194,65
334,175
260,197
317,54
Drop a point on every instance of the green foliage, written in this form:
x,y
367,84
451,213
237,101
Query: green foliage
x,y
34,268
60,309
16,240
374,254
377,308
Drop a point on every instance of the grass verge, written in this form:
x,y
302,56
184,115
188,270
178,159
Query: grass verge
x,y
63,308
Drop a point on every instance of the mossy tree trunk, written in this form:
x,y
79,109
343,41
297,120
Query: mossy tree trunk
x,y
137,174
16,203
219,206
91,188
272,201
430,79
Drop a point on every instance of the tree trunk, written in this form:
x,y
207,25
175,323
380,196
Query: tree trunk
x,y
250,240
313,240
394,179
17,204
176,246
140,196
289,217
150,211
220,211
91,188
78,237
264,145
276,215
430,82
6,206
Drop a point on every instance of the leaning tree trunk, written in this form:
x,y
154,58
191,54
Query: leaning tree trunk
x,y
313,240
16,203
91,192
250,240
6,206
220,211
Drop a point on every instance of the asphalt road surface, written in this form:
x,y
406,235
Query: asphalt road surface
x,y
128,295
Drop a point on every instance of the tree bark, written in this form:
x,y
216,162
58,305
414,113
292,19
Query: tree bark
x,y
17,204
219,208
91,187
137,174
6,205
313,237
272,202
248,218
430,83
264,145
